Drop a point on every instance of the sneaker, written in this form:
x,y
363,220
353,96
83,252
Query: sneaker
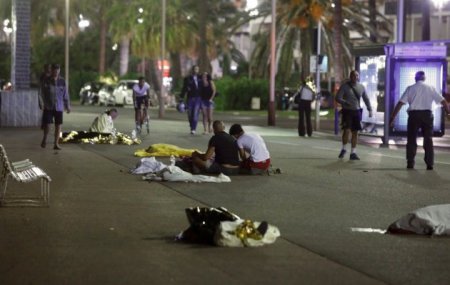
x,y
354,156
429,167
342,153
192,132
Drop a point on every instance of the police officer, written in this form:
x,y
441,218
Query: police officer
x,y
420,98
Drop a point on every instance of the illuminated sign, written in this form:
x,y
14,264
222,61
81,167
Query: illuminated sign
x,y
422,51
404,71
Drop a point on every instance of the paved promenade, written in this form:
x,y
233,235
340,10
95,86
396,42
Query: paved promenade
x,y
106,226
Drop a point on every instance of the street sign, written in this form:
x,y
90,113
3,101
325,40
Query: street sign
x,y
323,65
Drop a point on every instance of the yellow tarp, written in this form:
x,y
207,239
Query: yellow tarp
x,y
162,149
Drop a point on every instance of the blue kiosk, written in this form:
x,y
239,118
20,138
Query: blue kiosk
x,y
386,71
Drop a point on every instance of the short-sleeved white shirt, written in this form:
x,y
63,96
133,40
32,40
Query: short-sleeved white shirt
x,y
420,96
141,91
255,146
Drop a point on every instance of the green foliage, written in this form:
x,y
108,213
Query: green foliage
x,y
77,79
237,93
47,50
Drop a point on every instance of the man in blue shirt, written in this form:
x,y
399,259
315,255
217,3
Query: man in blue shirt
x,y
54,100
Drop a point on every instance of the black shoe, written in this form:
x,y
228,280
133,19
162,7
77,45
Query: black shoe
x,y
354,156
429,167
262,228
342,153
410,165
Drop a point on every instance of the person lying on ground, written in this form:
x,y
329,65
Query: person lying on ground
x,y
223,148
252,150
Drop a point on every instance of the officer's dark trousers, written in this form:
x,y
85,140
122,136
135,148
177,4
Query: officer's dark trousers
x,y
304,113
420,120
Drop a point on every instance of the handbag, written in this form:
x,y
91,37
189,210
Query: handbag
x,y
298,96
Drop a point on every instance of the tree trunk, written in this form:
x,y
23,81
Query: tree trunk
x,y
337,62
203,60
154,75
373,20
124,54
103,31
425,20
175,71
337,43
306,51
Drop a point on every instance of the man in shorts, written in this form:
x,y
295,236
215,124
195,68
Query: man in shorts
x,y
252,150
54,100
221,156
349,96
140,100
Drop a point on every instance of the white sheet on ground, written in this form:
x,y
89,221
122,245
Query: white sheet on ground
x,y
158,171
148,165
430,220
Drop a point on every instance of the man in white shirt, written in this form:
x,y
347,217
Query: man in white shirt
x,y
420,98
252,150
104,122
140,101
307,95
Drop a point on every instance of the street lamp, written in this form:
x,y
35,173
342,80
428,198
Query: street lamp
x,y
271,109
66,60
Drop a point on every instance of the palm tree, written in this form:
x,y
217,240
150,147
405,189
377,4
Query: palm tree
x,y
97,13
296,21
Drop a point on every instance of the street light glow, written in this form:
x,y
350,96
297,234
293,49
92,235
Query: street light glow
x,y
6,29
439,3
251,4
83,23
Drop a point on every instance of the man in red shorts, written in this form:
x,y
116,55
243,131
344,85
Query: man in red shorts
x,y
252,150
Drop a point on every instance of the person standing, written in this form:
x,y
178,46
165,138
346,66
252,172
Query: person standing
x,y
191,89
46,73
207,93
306,96
252,150
349,96
55,99
140,102
420,98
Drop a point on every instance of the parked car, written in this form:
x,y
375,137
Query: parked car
x,y
123,93
105,95
89,92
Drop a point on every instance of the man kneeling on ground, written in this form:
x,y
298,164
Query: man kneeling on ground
x,y
252,150
104,122
223,148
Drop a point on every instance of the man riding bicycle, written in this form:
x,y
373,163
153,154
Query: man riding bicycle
x,y
140,102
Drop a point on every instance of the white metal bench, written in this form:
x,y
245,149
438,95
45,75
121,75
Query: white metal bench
x,y
22,171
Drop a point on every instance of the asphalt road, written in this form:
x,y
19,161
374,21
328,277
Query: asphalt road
x,y
106,226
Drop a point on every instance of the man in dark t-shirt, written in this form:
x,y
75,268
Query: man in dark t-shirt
x,y
223,148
